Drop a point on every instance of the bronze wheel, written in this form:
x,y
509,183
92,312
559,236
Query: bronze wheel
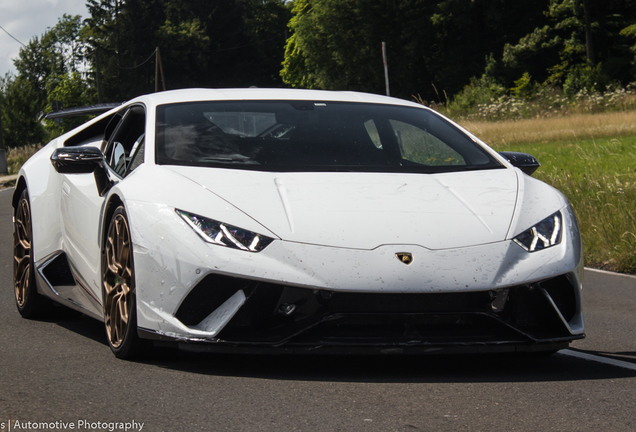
x,y
119,288
27,299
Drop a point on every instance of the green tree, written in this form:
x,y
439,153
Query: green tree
x,y
202,43
20,113
336,44
44,64
71,91
579,43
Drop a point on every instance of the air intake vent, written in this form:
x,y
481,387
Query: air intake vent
x,y
562,293
208,295
58,272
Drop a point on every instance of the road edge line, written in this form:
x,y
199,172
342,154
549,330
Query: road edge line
x,y
598,359
610,272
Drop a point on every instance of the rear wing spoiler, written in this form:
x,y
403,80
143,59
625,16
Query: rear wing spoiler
x,y
81,111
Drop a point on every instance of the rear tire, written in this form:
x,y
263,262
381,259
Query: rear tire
x,y
30,303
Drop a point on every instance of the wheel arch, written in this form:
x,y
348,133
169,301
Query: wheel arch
x,y
114,201
20,186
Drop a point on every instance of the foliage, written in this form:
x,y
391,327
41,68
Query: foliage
x,y
579,45
234,43
70,90
524,87
57,52
17,156
545,101
559,50
111,56
479,92
20,108
336,44
46,66
584,78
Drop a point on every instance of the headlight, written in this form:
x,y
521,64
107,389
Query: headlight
x,y
225,235
543,235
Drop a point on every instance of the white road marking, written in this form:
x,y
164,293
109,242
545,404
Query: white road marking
x,y
610,272
599,359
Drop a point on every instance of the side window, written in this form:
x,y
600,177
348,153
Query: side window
x,y
118,159
419,146
137,154
126,141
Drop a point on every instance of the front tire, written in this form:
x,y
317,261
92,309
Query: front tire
x,y
29,302
120,309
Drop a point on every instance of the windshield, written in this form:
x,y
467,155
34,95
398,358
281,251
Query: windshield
x,y
313,136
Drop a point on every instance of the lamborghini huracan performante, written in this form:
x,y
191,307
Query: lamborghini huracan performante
x,y
295,221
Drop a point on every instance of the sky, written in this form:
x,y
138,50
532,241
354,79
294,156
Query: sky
x,y
26,19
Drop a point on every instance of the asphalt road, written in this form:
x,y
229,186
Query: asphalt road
x,y
61,370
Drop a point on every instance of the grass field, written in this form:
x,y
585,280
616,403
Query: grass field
x,y
502,134
592,160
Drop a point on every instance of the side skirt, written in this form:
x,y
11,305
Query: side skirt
x,y
56,280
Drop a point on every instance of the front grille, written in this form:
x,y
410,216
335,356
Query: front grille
x,y
429,302
318,317
410,328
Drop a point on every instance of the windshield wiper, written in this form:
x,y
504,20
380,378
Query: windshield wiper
x,y
233,158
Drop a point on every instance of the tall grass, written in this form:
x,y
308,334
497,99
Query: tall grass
x,y
501,134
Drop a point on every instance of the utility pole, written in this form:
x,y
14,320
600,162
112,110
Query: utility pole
x,y
57,106
386,69
159,69
4,169
99,88
589,44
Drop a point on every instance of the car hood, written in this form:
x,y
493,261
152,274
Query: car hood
x,y
366,210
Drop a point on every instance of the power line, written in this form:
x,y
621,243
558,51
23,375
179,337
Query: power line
x,y
224,49
197,51
140,64
12,37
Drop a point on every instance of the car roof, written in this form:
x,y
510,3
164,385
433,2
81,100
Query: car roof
x,y
152,100
201,94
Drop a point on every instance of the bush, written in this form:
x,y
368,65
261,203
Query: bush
x,y
524,87
480,91
585,78
17,156
543,101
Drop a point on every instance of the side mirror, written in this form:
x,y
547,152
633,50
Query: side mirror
x,y
77,160
84,160
525,162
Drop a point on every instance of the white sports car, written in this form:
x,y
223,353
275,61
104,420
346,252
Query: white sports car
x,y
274,220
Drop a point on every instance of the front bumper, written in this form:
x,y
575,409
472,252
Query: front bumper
x,y
299,297
275,317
